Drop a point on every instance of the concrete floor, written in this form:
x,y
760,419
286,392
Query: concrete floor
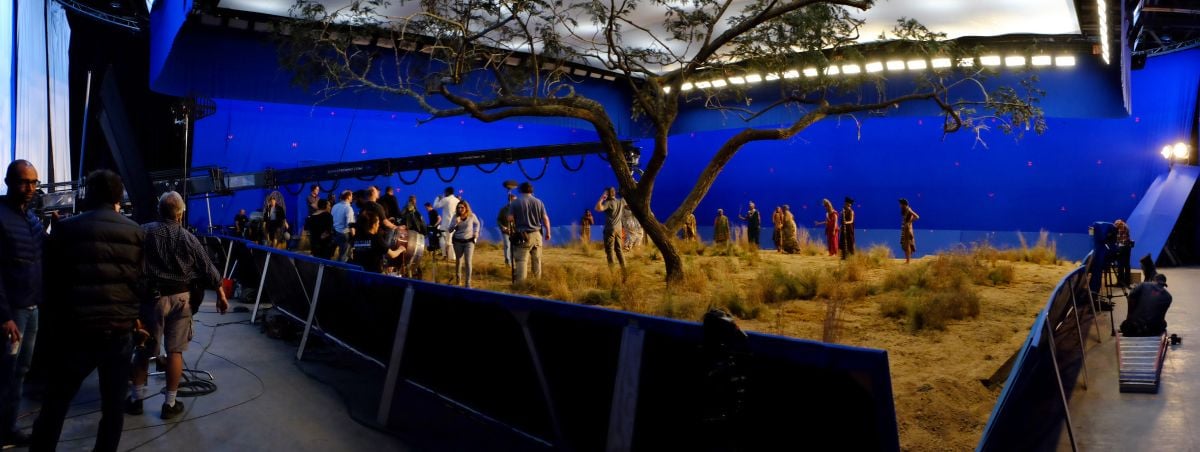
x,y
1106,419
264,401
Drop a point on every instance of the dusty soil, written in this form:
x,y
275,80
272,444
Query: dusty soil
x,y
941,403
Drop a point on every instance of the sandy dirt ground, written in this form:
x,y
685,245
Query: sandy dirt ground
x,y
940,401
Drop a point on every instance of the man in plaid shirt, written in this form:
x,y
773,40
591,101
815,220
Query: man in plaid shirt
x,y
174,260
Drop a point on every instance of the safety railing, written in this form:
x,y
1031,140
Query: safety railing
x,y
1033,407
510,372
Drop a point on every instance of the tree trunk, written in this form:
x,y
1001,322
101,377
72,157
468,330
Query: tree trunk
x,y
659,234
662,239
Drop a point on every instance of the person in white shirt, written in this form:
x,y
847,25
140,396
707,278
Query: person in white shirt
x,y
447,203
343,218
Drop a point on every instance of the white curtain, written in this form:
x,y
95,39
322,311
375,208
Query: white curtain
x,y
33,124
6,76
43,95
59,51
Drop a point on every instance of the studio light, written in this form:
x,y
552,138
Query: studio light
x,y
1041,60
940,63
874,67
686,87
1177,153
1064,61
737,80
792,73
718,83
917,65
810,72
895,65
990,60
1015,60
851,69
753,78
1180,151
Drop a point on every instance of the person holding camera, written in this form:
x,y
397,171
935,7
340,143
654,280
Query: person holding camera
x,y
613,209
464,231
97,256
21,238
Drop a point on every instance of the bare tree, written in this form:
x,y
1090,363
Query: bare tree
x,y
498,59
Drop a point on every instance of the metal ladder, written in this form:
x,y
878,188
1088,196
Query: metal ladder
x,y
1141,361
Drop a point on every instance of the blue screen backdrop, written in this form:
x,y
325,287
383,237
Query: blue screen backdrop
x,y
1080,171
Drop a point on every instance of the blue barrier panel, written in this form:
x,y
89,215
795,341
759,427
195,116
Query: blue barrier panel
x,y
507,372
489,352
1031,409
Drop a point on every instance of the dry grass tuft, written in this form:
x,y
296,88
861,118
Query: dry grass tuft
x,y
731,298
1044,251
831,325
931,293
810,246
681,307
777,285
1001,274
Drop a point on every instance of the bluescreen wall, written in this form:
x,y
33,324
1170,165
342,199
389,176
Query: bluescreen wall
x,y
1081,170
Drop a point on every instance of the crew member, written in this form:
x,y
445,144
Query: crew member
x,y
1148,304
21,237
175,259
532,224
97,257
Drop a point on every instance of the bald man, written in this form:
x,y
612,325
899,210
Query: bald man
x,y
21,239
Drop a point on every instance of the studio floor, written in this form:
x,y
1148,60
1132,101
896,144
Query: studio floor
x,y
264,401
1103,418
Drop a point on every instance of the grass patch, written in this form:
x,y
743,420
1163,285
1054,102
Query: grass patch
x,y
777,285
810,246
931,293
1001,274
1043,252
733,300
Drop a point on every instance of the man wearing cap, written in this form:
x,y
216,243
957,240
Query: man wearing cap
x,y
1148,304
848,228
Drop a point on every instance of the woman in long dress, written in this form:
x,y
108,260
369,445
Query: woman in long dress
x,y
777,219
791,243
831,227
908,241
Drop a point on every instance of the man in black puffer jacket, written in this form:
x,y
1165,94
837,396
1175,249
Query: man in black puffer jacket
x,y
97,259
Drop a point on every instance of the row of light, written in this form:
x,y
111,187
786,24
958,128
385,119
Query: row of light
x,y
878,66
1102,11
1179,151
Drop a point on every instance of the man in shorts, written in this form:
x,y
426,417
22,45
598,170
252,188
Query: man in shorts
x,y
174,259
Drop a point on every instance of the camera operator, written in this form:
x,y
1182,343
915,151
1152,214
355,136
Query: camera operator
x,y
1122,246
